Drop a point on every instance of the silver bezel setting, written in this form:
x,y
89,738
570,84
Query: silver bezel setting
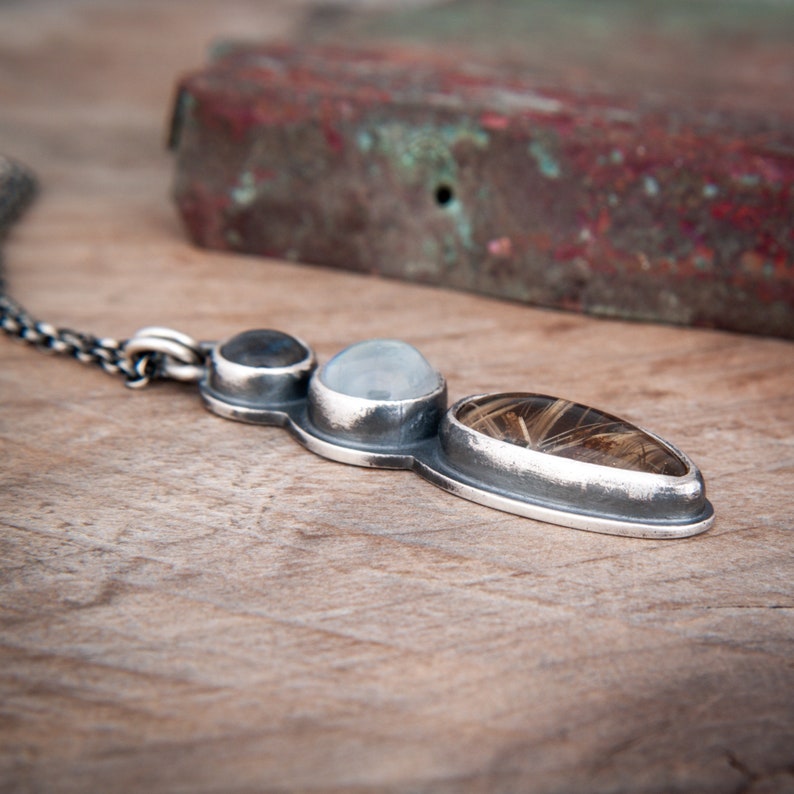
x,y
499,473
419,434
248,393
374,424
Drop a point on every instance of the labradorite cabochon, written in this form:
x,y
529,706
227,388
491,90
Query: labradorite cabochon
x,y
264,347
569,430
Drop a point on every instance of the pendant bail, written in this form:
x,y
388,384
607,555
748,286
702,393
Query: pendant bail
x,y
156,352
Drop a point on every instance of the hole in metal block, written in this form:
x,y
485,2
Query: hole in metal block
x,y
444,195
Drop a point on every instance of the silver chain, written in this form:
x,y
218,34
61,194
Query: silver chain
x,y
152,353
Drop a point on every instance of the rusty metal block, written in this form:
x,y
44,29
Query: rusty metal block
x,y
475,178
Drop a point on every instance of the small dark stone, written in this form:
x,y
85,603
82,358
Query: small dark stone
x,y
264,348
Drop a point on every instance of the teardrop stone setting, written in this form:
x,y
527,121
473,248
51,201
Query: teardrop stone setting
x,y
569,430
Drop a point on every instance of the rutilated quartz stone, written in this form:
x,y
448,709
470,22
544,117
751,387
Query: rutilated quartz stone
x,y
569,430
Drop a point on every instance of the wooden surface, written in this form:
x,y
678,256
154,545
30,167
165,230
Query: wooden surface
x,y
191,605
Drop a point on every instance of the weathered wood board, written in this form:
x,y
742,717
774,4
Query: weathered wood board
x,y
194,605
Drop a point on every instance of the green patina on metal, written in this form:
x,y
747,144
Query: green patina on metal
x,y
245,191
548,165
668,195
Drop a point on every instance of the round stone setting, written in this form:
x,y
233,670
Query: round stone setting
x,y
382,370
264,348
256,370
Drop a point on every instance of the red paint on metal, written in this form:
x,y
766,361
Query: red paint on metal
x,y
484,181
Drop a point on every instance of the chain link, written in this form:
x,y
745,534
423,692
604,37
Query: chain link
x,y
151,353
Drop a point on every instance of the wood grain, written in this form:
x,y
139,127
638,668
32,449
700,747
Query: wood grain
x,y
191,605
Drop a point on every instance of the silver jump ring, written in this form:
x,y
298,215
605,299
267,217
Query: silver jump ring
x,y
180,356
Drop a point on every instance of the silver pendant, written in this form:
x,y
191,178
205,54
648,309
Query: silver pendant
x,y
380,403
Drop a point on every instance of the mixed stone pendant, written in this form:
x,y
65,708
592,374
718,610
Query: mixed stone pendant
x,y
380,403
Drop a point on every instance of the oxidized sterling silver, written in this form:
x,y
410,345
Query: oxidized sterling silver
x,y
380,404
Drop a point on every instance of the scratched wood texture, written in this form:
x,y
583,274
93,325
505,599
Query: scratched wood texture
x,y
192,605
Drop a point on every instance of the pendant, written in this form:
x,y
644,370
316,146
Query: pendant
x,y
379,403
